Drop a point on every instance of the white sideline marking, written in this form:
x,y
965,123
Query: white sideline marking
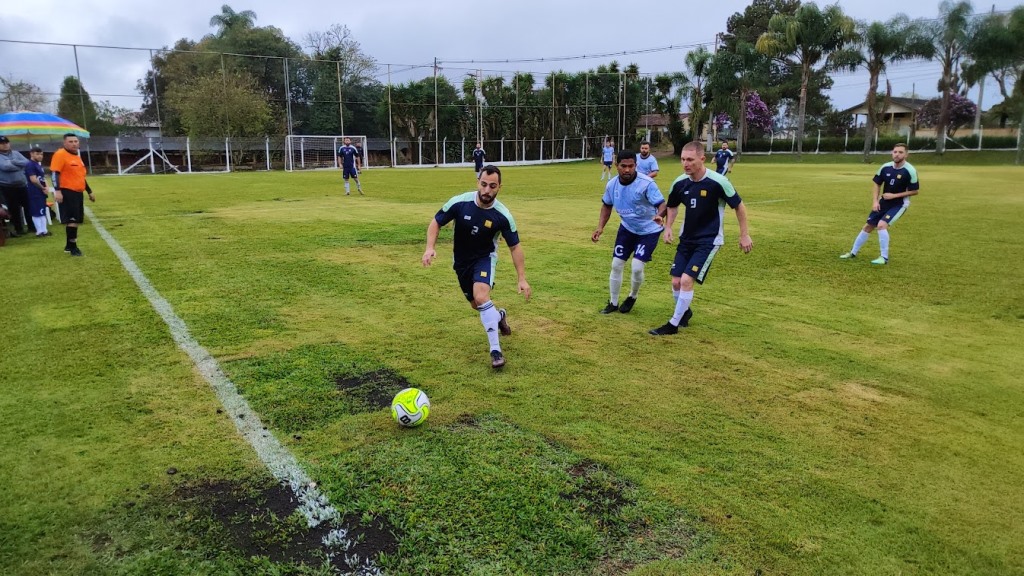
x,y
281,463
767,201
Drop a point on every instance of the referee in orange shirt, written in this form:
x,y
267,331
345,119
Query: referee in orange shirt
x,y
71,188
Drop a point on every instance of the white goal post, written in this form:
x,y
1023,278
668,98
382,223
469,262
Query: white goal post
x,y
319,152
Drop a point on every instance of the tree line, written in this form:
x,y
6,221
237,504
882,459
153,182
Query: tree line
x,y
774,61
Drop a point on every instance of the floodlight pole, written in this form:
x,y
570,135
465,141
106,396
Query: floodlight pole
x,y
341,103
81,101
391,129
436,116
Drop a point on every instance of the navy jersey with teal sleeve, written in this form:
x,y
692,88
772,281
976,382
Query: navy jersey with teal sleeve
x,y
478,158
896,181
704,201
722,158
476,228
636,203
34,168
348,155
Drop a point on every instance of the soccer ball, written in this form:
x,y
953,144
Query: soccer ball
x,y
410,407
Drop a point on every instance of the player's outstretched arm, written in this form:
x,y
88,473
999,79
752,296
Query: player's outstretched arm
x,y
746,244
606,213
670,218
519,260
430,253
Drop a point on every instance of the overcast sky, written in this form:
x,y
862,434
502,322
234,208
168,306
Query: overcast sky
x,y
414,32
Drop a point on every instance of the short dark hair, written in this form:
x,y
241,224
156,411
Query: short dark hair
x,y
900,145
645,142
70,135
491,169
36,148
624,154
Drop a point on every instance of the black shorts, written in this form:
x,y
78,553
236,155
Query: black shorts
x,y
481,270
694,260
72,209
347,173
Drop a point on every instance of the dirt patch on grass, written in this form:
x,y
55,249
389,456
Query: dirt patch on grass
x,y
373,390
265,522
598,492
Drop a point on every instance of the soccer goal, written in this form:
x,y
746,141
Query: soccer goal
x,y
319,152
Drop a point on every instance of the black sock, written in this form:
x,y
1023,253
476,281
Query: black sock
x,y
72,236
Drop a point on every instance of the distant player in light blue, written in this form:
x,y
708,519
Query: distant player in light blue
x,y
607,157
724,159
348,158
895,182
478,158
637,200
646,163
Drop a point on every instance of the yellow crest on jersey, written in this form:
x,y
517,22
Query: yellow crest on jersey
x,y
487,223
483,274
695,269
703,193
898,176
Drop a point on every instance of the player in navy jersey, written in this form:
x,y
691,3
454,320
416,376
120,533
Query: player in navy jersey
x,y
704,195
348,157
646,163
478,158
479,218
637,200
607,158
724,159
895,182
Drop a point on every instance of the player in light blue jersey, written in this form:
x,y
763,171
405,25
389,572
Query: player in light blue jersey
x,y
478,221
348,158
895,182
724,159
703,194
607,158
637,200
646,163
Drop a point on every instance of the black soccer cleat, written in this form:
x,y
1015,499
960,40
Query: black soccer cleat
x,y
497,359
75,251
627,305
610,308
503,326
686,318
667,329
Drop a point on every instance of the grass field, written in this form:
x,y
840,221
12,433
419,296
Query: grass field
x,y
818,416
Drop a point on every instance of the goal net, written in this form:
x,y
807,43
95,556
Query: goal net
x,y
319,152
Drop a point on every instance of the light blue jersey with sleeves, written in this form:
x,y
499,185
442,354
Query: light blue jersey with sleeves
x,y
647,165
636,203
608,153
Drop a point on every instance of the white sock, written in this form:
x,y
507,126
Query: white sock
x,y
358,185
40,222
675,295
637,278
489,317
682,305
346,187
883,241
859,242
615,280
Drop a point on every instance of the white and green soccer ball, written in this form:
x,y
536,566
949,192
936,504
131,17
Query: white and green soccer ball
x,y
410,407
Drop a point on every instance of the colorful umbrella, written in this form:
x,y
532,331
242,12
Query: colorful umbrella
x,y
34,126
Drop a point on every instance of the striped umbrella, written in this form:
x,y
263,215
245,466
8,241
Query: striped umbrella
x,y
31,127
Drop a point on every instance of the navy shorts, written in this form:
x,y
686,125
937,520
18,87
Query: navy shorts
x,y
890,216
608,163
722,169
481,270
694,260
349,172
641,246
72,209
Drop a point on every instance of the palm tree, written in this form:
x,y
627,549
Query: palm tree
x,y
879,44
802,40
734,73
698,65
228,19
950,35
